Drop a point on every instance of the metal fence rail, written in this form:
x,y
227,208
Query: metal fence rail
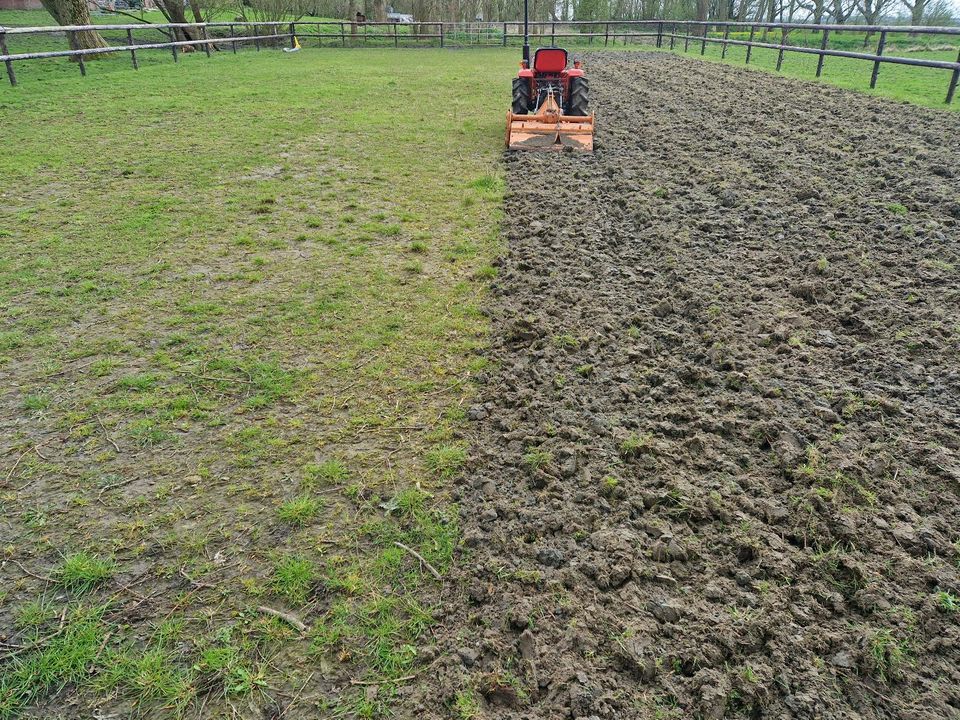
x,y
447,34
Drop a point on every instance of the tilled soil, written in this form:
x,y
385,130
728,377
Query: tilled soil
x,y
715,470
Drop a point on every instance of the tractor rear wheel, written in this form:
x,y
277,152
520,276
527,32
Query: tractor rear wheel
x,y
521,96
579,97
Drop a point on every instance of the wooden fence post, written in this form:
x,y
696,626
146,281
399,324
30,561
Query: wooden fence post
x,y
83,65
825,35
133,53
553,34
173,48
9,63
206,41
726,36
686,37
504,34
753,29
953,81
606,34
233,40
783,41
660,34
293,35
876,63
256,37
673,34
703,42
440,26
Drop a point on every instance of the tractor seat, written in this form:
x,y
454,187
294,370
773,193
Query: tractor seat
x,y
551,61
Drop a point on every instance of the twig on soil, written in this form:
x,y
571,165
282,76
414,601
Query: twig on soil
x,y
107,433
16,464
65,370
36,449
296,697
103,645
195,583
418,556
444,389
286,617
405,678
39,642
203,705
113,486
33,575
142,600
398,428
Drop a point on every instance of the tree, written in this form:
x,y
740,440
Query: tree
x,y
939,12
916,8
376,10
872,10
173,11
842,10
703,12
817,9
75,12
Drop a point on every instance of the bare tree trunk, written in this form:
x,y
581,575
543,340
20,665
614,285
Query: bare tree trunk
x,y
75,12
173,11
917,9
195,8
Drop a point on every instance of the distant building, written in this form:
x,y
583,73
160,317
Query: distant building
x,y
395,16
21,5
94,5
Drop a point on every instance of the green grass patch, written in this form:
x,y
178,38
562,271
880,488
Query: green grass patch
x,y
300,510
81,571
445,460
293,577
233,393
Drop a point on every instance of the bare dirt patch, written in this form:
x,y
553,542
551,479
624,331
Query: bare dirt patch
x,y
715,472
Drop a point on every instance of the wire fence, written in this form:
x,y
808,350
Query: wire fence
x,y
231,36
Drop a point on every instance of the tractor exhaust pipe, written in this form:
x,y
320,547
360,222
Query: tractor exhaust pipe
x,y
526,34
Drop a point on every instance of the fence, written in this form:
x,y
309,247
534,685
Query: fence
x,y
219,35
668,30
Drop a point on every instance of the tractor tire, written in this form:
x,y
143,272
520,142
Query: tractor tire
x,y
521,96
579,97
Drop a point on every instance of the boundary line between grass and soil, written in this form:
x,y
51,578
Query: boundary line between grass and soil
x,y
481,35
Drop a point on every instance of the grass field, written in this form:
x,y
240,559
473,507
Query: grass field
x,y
240,304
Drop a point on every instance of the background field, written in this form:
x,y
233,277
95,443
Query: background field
x,y
239,308
925,86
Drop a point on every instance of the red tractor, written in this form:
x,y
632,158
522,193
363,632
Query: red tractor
x,y
550,76
550,102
